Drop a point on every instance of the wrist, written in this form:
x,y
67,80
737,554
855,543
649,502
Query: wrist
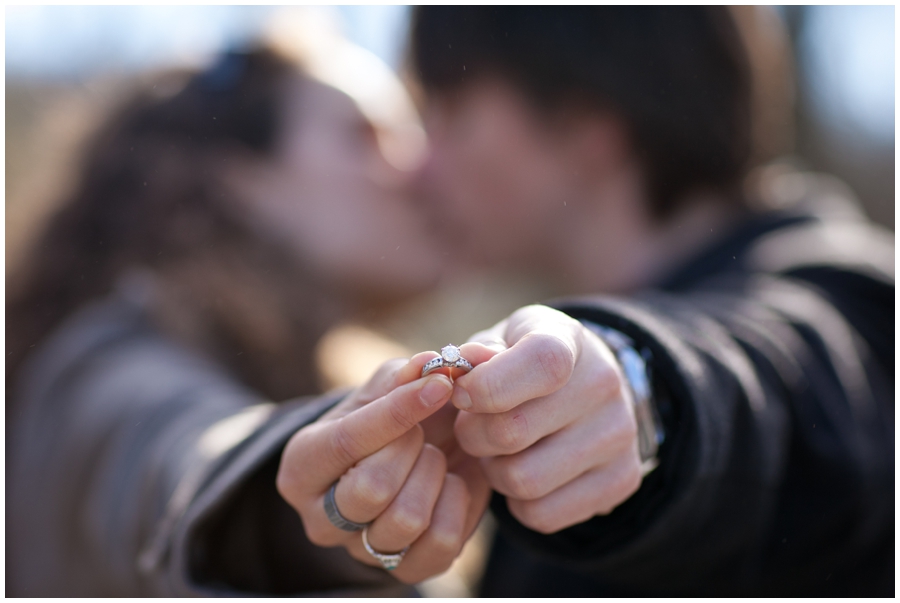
x,y
636,367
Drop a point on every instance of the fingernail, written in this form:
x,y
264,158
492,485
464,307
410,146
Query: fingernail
x,y
461,399
435,391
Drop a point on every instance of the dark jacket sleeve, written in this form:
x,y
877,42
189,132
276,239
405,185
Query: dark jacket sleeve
x,y
777,473
137,469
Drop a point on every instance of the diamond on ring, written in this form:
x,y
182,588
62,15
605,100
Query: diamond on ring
x,y
450,357
450,353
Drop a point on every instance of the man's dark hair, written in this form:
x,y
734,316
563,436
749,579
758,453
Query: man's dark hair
x,y
679,77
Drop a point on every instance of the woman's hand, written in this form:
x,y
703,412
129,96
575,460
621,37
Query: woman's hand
x,y
373,446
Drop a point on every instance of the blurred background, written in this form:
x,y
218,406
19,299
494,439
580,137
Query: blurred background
x,y
65,65
68,66
71,56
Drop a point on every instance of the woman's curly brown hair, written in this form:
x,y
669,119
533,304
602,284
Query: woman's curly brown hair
x,y
151,197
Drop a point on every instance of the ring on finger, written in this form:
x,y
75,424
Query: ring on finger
x,y
388,561
335,517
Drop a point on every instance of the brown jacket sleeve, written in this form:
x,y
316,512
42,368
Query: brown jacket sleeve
x,y
137,469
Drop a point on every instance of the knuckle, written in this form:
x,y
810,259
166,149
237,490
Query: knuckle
x,y
465,493
371,487
436,458
521,481
605,380
547,525
446,536
625,484
412,441
289,479
409,521
418,436
618,440
343,445
446,542
489,392
508,432
625,431
400,415
285,483
556,360
470,432
533,515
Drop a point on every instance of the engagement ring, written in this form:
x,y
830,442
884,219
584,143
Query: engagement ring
x,y
449,358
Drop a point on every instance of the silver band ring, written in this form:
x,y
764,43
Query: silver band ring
x,y
388,561
449,358
335,517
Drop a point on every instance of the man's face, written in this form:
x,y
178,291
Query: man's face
x,y
498,180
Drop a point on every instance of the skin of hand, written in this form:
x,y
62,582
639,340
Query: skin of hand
x,y
548,413
389,446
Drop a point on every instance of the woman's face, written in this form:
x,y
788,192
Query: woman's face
x,y
332,197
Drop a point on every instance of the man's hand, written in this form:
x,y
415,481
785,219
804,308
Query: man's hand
x,y
373,445
550,417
